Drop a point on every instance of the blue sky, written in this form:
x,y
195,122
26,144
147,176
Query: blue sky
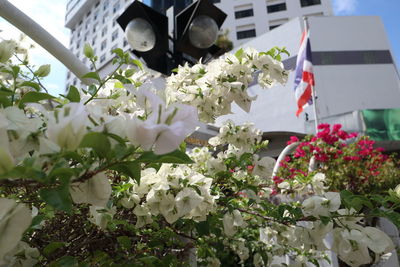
x,y
50,14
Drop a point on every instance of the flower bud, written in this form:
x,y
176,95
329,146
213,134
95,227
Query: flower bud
x,y
7,48
43,71
397,191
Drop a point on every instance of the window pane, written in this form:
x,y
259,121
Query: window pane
x,y
246,34
305,3
244,13
276,8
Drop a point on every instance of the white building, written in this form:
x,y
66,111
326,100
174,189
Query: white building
x,y
354,70
251,18
94,22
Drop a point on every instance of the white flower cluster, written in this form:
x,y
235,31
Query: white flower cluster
x,y
173,191
243,137
351,241
212,88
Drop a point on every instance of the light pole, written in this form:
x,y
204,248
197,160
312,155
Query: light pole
x,y
25,24
195,32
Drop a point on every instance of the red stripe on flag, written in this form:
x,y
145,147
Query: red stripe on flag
x,y
303,99
308,77
303,35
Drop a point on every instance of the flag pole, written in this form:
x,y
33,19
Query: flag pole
x,y
314,99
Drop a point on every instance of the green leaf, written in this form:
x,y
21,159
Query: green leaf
x,y
34,97
325,220
53,246
122,79
137,63
129,168
92,89
5,101
43,71
73,94
203,228
119,52
15,71
129,72
30,84
61,173
88,51
98,142
176,156
92,75
58,198
394,217
125,242
239,54
66,261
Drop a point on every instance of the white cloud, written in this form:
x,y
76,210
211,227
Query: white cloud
x,y
344,7
50,15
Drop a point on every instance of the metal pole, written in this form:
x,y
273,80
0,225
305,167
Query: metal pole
x,y
314,99
44,39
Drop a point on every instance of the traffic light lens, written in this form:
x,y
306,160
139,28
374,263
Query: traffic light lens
x,y
203,32
140,35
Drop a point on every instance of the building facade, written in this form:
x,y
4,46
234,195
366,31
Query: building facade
x,y
94,22
353,73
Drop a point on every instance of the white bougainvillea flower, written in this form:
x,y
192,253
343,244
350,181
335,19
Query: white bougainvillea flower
x,y
100,216
95,191
333,201
313,206
264,167
231,222
349,246
14,220
187,200
67,125
397,190
143,216
377,241
165,128
318,183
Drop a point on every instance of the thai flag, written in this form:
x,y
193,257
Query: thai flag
x,y
304,81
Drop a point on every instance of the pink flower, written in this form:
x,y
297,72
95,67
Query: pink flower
x,y
293,139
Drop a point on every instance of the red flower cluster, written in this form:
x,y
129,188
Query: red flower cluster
x,y
333,148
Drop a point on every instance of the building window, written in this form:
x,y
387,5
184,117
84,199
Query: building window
x,y
102,58
246,34
95,15
125,42
114,22
276,8
113,48
94,41
105,5
94,28
305,3
105,17
216,1
87,23
74,83
88,14
68,74
80,22
97,4
244,13
114,35
274,26
104,31
103,45
78,44
116,7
